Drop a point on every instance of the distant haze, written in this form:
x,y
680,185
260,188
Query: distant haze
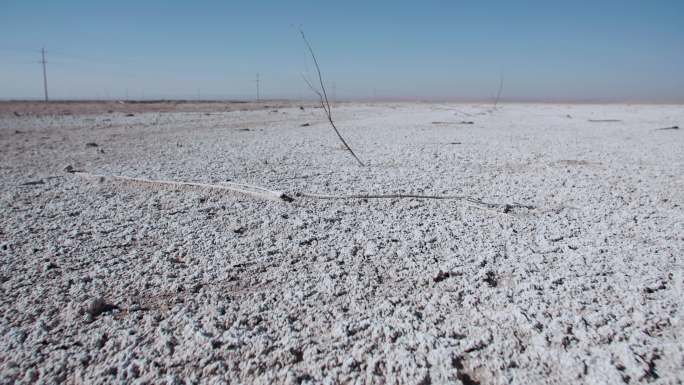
x,y
628,50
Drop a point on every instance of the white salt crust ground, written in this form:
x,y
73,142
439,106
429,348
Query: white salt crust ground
x,y
108,283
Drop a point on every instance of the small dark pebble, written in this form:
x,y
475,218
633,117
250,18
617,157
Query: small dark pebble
x,y
441,276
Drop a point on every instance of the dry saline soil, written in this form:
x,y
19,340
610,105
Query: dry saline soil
x,y
109,281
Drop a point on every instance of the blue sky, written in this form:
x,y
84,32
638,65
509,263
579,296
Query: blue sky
x,y
431,50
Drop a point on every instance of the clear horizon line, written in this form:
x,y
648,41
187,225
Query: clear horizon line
x,y
360,99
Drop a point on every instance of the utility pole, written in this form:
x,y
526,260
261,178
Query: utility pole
x,y
257,85
45,88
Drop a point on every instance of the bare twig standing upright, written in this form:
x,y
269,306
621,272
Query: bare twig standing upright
x,y
498,94
323,97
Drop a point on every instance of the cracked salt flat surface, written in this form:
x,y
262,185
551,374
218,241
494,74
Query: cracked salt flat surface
x,y
105,283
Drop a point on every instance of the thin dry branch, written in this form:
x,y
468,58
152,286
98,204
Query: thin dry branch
x,y
498,94
255,191
263,193
464,200
604,120
312,88
324,97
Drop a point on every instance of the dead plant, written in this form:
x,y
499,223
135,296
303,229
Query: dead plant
x,y
323,97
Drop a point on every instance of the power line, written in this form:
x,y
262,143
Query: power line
x,y
17,50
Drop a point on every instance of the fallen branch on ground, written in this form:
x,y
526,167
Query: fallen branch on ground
x,y
466,201
461,122
275,195
255,191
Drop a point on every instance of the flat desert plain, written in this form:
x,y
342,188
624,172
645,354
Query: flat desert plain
x,y
572,273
